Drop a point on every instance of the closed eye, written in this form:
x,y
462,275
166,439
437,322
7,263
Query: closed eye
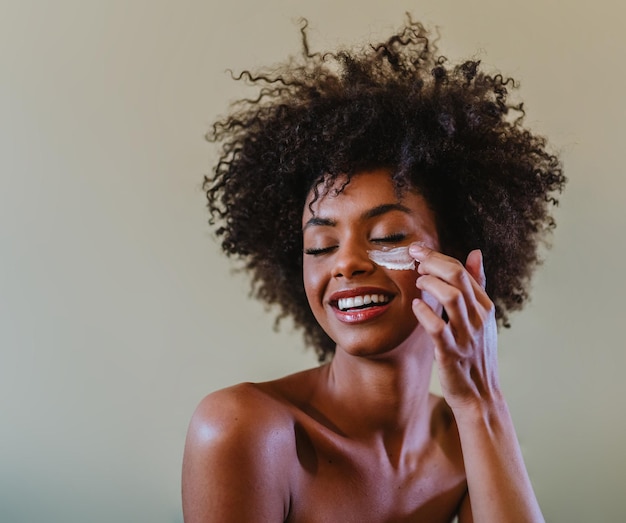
x,y
317,252
391,238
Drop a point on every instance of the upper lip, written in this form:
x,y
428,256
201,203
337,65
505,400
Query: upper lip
x,y
357,291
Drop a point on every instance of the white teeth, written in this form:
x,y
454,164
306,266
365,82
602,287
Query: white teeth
x,y
357,301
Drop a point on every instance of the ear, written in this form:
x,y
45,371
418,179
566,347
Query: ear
x,y
474,266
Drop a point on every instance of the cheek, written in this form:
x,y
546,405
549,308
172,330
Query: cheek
x,y
313,280
407,283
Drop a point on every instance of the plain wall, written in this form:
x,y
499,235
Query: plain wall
x,y
118,313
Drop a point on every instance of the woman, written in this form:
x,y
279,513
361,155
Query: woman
x,y
342,156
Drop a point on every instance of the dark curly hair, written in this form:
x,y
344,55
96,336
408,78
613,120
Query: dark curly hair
x,y
448,131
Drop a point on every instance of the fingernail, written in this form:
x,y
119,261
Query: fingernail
x,y
415,249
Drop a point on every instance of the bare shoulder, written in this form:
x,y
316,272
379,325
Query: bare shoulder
x,y
237,457
240,409
444,429
254,407
445,432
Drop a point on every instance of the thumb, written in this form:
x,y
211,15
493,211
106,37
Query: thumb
x,y
474,266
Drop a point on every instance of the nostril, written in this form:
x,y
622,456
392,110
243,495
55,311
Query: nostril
x,y
352,261
352,271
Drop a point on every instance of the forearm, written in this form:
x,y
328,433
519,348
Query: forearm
x,y
499,487
467,364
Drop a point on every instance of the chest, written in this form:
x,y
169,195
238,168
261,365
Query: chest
x,y
349,483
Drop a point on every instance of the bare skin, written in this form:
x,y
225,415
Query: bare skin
x,y
361,438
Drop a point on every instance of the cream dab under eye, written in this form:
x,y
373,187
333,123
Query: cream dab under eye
x,y
397,259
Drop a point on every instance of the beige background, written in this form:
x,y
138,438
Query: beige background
x,y
117,313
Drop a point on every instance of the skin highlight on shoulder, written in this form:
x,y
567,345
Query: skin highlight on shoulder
x,y
238,447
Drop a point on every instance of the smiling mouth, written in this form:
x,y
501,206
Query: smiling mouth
x,y
362,302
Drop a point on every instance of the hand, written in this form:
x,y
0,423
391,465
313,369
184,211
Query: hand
x,y
465,345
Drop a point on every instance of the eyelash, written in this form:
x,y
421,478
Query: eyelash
x,y
317,252
391,238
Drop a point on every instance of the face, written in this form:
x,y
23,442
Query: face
x,y
364,308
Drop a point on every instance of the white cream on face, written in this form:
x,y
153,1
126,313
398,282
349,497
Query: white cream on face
x,y
397,259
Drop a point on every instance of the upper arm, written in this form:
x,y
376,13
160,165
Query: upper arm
x,y
232,471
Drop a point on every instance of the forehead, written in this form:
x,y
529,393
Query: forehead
x,y
363,190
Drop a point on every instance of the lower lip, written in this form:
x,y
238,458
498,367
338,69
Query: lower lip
x,y
360,315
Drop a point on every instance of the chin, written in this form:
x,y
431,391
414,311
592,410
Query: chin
x,y
368,345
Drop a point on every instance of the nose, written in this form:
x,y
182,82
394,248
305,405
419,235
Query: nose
x,y
351,260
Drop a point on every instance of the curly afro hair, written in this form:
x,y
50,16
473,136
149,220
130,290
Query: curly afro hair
x,y
448,131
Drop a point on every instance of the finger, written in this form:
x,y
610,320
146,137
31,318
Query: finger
x,y
433,324
452,299
474,266
470,280
445,268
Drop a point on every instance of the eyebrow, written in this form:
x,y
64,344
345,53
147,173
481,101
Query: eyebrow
x,y
374,212
385,208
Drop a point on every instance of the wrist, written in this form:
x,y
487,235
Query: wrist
x,y
489,411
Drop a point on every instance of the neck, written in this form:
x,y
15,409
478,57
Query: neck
x,y
386,395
